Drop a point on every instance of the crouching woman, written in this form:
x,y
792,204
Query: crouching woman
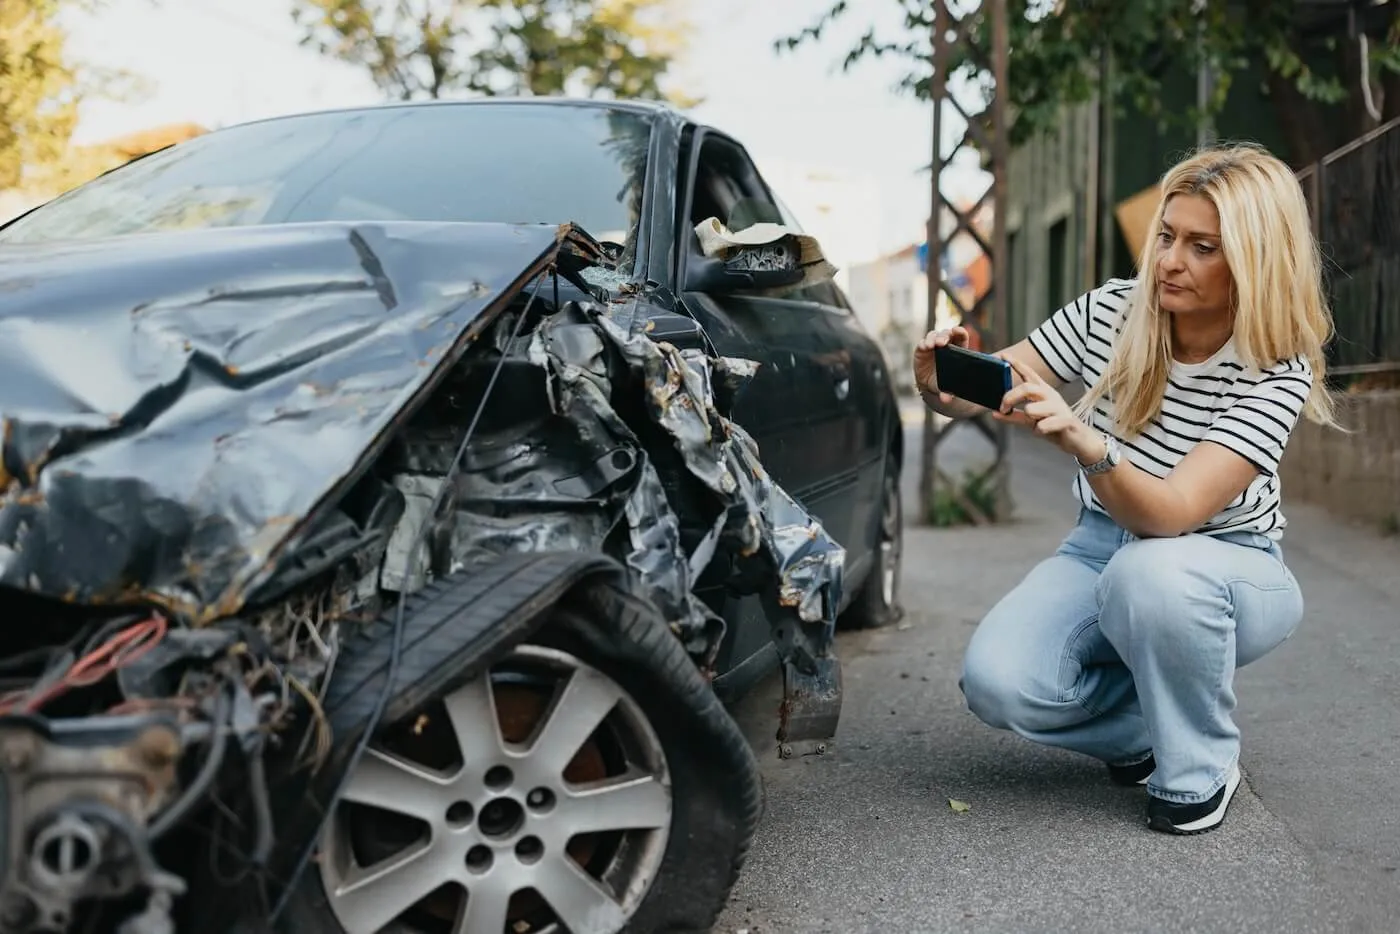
x,y
1123,644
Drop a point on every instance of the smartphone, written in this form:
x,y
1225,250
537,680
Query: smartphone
x,y
971,375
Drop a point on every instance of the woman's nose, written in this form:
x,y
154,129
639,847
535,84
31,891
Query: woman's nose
x,y
1172,258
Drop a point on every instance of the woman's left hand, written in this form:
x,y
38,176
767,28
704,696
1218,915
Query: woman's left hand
x,y
1046,412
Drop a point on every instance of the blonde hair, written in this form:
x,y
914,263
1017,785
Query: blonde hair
x,y
1280,310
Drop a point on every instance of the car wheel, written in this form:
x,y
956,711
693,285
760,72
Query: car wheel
x,y
588,782
877,603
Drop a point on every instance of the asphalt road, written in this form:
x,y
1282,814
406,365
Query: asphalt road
x,y
864,838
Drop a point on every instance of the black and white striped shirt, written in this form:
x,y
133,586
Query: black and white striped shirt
x,y
1251,412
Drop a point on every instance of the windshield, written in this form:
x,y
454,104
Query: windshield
x,y
509,163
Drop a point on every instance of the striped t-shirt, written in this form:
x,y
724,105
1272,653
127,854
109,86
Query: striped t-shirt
x,y
1251,412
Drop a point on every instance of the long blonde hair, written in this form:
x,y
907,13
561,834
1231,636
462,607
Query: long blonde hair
x,y
1280,310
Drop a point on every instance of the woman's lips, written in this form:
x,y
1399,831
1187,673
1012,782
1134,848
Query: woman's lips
x,y
1168,287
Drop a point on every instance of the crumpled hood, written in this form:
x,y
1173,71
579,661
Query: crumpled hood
x,y
176,406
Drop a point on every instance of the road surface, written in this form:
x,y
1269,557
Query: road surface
x,y
864,839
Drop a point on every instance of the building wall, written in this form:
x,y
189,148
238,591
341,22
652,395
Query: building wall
x,y
1049,218
890,297
1354,474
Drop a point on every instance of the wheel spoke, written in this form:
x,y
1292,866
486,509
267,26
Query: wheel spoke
x,y
376,895
635,803
386,782
472,710
579,901
487,906
578,709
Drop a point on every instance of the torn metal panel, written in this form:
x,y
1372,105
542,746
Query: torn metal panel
x,y
607,441
761,516
177,406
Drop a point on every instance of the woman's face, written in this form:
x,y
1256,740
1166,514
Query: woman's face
x,y
1192,277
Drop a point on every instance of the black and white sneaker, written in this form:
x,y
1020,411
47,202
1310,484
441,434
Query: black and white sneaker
x,y
1170,817
1130,775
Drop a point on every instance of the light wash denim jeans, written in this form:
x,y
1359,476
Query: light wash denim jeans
x,y
1118,647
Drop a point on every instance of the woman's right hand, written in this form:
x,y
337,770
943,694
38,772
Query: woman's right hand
x,y
925,375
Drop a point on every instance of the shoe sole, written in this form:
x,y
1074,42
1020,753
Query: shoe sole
x,y
1201,824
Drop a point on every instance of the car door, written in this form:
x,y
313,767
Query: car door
x,y
868,412
798,406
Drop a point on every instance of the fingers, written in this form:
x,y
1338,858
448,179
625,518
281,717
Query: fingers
x,y
1024,393
1015,418
1054,424
1026,373
1046,426
955,336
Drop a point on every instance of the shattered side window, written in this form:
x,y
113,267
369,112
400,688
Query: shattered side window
x,y
504,163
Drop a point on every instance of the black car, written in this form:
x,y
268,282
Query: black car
x,y
394,498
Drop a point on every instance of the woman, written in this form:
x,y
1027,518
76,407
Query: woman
x,y
1123,644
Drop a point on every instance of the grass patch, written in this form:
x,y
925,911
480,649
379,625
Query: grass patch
x,y
950,504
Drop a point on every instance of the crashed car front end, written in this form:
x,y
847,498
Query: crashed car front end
x,y
227,453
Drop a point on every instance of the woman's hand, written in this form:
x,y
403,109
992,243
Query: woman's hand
x,y
1045,411
925,375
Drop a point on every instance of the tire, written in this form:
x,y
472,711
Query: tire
x,y
682,864
877,603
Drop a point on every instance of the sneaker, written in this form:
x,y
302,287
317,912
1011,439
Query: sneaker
x,y
1136,774
1170,817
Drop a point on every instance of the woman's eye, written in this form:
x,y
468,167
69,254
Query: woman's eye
x,y
1205,249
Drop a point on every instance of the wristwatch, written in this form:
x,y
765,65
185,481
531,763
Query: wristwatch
x,y
1111,457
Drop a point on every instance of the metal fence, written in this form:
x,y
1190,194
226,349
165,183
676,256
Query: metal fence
x,y
1354,195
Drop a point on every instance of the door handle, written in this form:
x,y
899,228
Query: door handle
x,y
843,387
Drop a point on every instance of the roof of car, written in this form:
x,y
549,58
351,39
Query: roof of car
x,y
657,108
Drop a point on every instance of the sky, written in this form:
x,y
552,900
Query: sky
x,y
220,62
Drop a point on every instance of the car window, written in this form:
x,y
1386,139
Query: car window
x,y
505,163
729,186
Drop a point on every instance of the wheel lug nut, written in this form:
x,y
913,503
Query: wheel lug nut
x,y
540,799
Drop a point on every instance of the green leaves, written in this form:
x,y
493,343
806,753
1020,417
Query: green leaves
x,y
429,48
40,90
1057,49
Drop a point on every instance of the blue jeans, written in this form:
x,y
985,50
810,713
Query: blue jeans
x,y
1120,647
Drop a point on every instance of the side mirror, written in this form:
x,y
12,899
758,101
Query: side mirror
x,y
737,273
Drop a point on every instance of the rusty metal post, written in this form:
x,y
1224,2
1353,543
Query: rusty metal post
x,y
938,89
1001,267
987,130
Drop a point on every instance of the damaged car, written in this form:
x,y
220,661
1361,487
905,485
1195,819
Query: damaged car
x,y
393,501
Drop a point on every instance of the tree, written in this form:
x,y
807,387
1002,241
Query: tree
x,y
1314,73
428,48
40,92
38,89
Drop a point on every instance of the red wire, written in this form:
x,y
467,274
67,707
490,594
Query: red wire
x,y
122,649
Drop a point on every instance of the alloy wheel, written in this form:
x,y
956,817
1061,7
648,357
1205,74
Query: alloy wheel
x,y
532,799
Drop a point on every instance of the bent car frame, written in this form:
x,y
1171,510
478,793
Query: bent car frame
x,y
391,502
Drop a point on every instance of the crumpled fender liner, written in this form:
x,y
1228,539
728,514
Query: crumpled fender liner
x,y
454,629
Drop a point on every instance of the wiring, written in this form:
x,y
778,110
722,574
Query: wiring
x,y
396,644
121,649
204,780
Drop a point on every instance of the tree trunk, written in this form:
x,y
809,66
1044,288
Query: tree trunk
x,y
1298,119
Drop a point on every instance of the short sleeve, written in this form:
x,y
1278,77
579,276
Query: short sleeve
x,y
1062,338
1257,425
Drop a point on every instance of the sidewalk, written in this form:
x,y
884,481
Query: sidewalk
x,y
864,838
